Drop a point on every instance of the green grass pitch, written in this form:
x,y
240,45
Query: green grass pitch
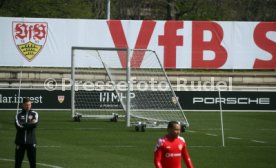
x,y
250,140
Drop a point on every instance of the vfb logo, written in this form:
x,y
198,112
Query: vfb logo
x,y
30,37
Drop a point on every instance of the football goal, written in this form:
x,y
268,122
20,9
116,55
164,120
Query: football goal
x,y
137,80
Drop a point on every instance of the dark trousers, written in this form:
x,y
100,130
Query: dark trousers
x,y
20,152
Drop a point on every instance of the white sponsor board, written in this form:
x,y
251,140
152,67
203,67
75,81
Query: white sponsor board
x,y
179,44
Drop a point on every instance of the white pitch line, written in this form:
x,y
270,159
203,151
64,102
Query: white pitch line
x,y
211,134
233,138
41,164
191,131
263,142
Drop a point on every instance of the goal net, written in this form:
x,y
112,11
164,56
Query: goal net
x,y
137,80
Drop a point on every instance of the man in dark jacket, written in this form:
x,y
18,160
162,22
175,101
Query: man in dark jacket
x,y
26,122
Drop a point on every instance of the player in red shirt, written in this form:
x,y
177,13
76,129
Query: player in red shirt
x,y
171,148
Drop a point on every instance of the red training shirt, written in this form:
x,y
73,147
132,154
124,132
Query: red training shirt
x,y
168,153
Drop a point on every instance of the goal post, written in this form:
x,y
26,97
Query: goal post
x,y
155,102
91,88
137,78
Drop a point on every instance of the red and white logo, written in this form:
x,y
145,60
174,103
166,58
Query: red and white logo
x,y
30,37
